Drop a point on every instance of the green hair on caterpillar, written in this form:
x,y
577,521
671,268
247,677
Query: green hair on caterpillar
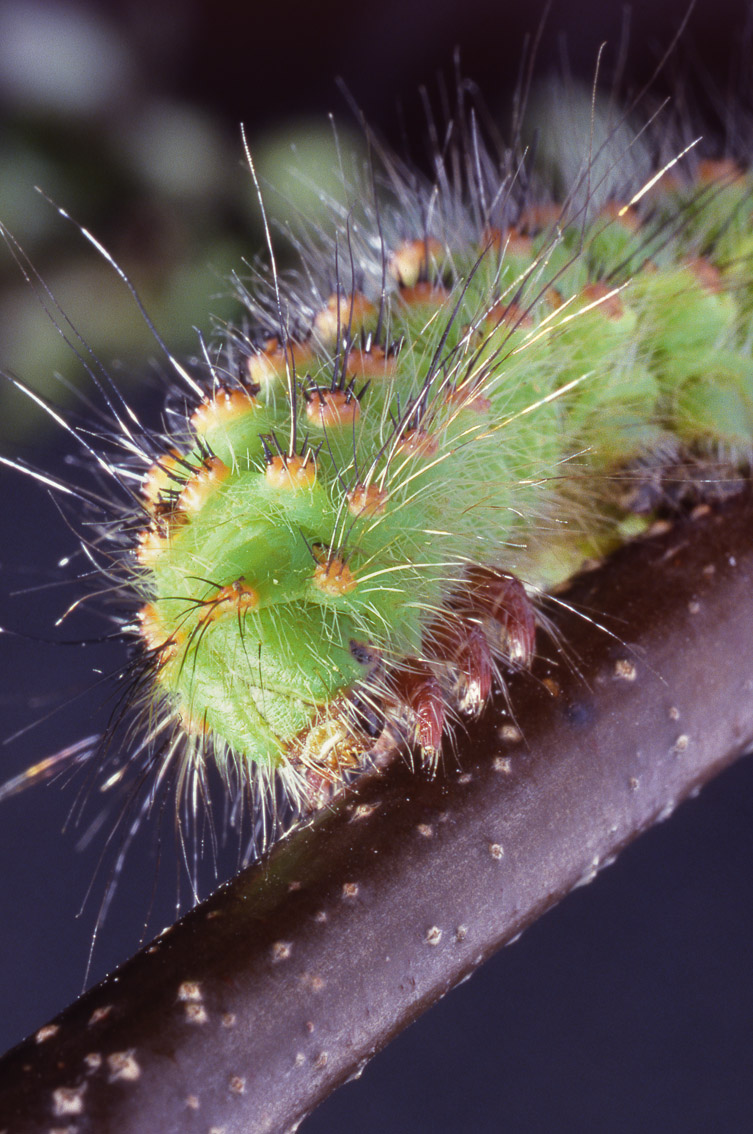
x,y
372,484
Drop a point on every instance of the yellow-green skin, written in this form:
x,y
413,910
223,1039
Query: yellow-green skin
x,y
515,474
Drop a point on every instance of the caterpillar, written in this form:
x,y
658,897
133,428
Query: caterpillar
x,y
335,551
371,482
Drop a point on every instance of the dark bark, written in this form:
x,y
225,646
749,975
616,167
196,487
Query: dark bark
x,y
262,1000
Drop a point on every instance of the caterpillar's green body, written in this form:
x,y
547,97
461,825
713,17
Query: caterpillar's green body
x,y
475,395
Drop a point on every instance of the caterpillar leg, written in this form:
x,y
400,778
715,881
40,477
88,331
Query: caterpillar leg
x,y
422,695
507,614
461,644
491,618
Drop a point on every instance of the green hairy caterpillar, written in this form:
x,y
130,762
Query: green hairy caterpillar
x,y
360,502
341,550
371,482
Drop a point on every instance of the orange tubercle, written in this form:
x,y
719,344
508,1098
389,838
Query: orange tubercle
x,y
468,396
707,274
510,241
150,545
719,169
418,443
343,313
167,473
155,636
334,577
424,292
373,363
413,259
511,314
291,472
238,597
367,500
332,407
272,362
224,407
199,487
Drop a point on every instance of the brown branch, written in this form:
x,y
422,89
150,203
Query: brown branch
x,y
262,1000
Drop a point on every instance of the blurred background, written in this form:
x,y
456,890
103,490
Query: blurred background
x,y
631,1005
